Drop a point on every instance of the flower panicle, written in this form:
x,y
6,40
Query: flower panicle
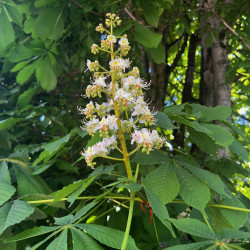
x,y
125,111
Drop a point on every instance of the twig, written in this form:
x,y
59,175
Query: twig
x,y
81,7
228,26
131,16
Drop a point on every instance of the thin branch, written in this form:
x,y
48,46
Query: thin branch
x,y
131,15
81,7
228,26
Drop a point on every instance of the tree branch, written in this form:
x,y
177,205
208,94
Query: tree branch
x,y
227,25
81,7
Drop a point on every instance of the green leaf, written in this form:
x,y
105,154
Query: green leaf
x,y
14,13
162,182
7,33
218,221
158,54
41,3
45,74
146,37
21,53
8,123
163,121
6,189
220,134
150,12
155,157
192,246
192,190
28,183
236,218
65,220
13,213
60,242
25,74
82,241
35,231
25,98
212,180
108,236
86,208
203,141
50,24
159,209
51,148
194,227
19,66
234,233
207,114
238,149
71,188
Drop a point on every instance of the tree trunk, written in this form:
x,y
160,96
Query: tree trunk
x,y
213,90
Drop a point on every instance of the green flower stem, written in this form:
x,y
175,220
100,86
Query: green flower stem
x,y
85,198
118,149
130,215
104,50
135,150
99,66
111,158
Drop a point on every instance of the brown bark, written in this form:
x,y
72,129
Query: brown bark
x,y
213,89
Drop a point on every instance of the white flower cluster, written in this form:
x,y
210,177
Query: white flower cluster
x,y
125,111
100,149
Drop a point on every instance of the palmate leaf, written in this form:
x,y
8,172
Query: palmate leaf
x,y
194,227
6,189
146,37
236,218
82,241
207,114
108,236
163,183
86,208
238,149
60,242
36,231
28,183
72,187
192,246
45,74
192,190
6,30
234,233
220,134
212,180
163,121
13,213
159,209
155,157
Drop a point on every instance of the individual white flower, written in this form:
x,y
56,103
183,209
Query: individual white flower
x,y
92,126
123,96
119,64
100,81
123,41
111,38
